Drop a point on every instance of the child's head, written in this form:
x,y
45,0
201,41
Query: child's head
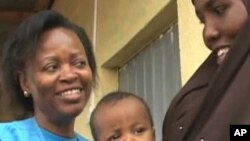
x,y
120,116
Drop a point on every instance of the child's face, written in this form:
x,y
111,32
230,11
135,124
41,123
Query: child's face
x,y
125,120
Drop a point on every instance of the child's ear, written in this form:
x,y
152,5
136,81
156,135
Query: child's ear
x,y
23,80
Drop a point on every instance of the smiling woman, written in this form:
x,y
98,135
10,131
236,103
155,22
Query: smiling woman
x,y
217,95
48,66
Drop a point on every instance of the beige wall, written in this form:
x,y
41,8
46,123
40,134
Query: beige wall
x,y
118,31
192,50
120,20
80,12
124,27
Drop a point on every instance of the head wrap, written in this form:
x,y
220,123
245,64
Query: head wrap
x,y
236,57
246,3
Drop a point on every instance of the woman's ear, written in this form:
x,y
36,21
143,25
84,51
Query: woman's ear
x,y
23,80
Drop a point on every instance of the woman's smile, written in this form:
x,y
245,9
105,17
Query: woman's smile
x,y
60,75
71,94
222,20
221,54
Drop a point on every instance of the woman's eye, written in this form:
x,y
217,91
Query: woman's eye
x,y
220,9
80,64
50,67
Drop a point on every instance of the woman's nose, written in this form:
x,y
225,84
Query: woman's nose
x,y
210,33
67,74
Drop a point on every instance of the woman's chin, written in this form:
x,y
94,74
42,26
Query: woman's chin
x,y
72,112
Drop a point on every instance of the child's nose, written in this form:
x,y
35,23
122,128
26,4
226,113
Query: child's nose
x,y
130,138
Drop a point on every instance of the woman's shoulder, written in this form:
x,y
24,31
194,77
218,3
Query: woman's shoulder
x,y
15,130
17,124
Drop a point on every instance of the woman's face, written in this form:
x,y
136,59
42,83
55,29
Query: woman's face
x,y
222,20
59,78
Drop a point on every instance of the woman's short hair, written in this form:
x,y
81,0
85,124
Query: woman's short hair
x,y
22,44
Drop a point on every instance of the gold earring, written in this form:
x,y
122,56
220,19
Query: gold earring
x,y
26,94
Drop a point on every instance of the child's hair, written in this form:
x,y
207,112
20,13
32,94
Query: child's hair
x,y
112,98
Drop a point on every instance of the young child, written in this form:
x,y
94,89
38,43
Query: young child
x,y
122,116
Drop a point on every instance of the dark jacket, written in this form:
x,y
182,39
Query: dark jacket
x,y
214,98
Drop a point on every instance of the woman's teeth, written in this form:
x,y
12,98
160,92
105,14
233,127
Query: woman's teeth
x,y
70,92
222,51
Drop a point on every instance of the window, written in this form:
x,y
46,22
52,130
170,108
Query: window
x,y
154,74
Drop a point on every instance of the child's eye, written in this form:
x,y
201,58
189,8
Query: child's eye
x,y
139,131
115,137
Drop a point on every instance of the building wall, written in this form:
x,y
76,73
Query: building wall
x,y
120,20
80,12
190,40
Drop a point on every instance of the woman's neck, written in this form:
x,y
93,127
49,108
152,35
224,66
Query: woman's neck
x,y
60,126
